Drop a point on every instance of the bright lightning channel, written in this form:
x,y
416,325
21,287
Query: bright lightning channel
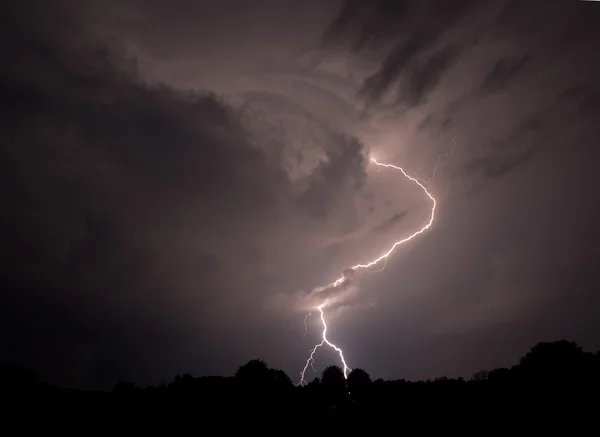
x,y
340,280
324,341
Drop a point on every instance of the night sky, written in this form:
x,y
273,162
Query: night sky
x,y
177,176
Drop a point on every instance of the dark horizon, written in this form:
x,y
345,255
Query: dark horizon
x,y
560,363
183,182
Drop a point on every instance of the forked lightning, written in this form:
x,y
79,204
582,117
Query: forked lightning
x,y
339,281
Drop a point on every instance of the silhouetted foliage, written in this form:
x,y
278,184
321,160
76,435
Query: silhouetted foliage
x,y
359,384
256,381
480,376
12,378
280,380
255,373
541,374
334,384
501,375
333,376
561,362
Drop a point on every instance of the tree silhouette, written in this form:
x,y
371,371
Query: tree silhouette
x,y
559,362
333,376
359,384
255,380
183,386
280,379
253,375
480,376
334,384
545,373
127,390
13,377
499,376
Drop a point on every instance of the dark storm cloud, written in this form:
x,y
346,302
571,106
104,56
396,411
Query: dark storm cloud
x,y
401,55
364,22
586,97
417,26
94,162
519,95
503,71
344,166
136,212
433,123
590,104
390,223
146,225
367,24
496,165
532,50
507,154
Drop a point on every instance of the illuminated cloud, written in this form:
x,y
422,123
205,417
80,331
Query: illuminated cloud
x,y
166,180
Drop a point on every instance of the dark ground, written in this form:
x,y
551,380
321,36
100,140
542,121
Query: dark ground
x,y
554,382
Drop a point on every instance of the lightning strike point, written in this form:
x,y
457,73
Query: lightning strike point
x,y
348,273
324,341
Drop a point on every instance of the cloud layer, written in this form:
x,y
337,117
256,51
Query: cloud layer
x,y
173,192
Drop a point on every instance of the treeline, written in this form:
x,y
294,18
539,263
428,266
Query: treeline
x,y
555,370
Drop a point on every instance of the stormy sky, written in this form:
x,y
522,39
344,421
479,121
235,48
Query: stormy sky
x,y
177,177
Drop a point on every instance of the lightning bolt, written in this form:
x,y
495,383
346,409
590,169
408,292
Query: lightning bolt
x,y
324,341
383,257
305,323
437,161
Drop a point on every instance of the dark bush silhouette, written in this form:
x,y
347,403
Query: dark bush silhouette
x,y
13,377
541,376
256,381
556,364
280,380
333,376
480,376
126,390
359,384
334,384
499,376
253,374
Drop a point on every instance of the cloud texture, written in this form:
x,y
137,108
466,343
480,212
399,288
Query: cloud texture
x,y
173,190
